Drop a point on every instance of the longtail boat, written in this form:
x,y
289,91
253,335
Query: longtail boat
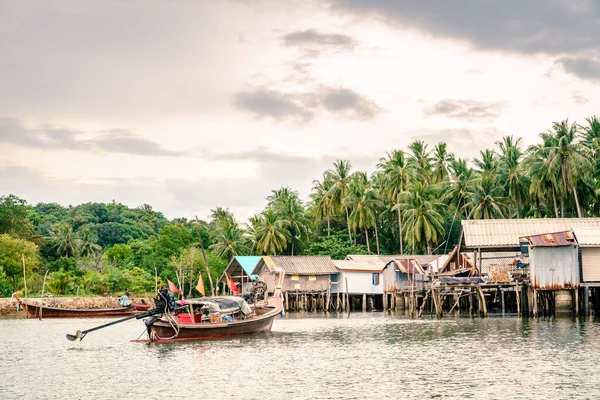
x,y
39,311
204,318
214,317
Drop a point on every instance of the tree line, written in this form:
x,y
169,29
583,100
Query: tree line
x,y
412,203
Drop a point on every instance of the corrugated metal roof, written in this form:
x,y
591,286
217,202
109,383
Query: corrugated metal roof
x,y
352,265
422,259
587,235
300,265
551,239
408,266
505,233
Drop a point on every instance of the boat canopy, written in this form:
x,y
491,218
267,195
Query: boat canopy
x,y
222,304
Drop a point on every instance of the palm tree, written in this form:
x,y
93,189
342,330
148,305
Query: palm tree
x,y
568,158
341,180
271,234
396,176
423,223
290,209
486,201
322,200
88,247
441,163
488,164
461,186
229,241
363,201
544,183
511,171
420,160
67,244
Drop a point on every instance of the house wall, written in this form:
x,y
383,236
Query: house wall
x,y
303,284
358,283
389,278
554,267
590,264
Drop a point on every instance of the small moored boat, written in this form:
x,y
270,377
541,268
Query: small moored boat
x,y
39,311
214,317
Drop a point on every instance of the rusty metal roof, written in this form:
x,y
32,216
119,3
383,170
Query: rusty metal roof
x,y
587,236
385,259
407,265
299,265
505,233
359,266
551,239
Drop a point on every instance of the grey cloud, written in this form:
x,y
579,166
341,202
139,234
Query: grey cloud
x,y
273,104
312,37
578,98
464,109
347,103
302,107
13,131
583,67
548,26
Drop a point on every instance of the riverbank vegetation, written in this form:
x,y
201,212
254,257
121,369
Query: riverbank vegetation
x,y
411,204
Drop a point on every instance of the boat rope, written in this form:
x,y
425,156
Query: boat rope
x,y
171,320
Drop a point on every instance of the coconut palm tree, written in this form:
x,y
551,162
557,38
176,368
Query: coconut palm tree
x,y
544,185
420,160
487,164
363,201
229,241
271,235
423,222
290,210
441,163
341,176
87,246
396,175
66,241
322,200
568,158
512,173
486,201
461,185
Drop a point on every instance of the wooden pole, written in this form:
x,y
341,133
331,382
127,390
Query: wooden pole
x,y
212,289
576,302
347,296
586,301
518,299
502,301
364,302
24,275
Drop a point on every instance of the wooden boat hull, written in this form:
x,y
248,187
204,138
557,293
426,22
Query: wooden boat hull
x,y
37,311
162,331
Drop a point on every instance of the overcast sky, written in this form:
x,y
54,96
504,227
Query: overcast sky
x,y
191,104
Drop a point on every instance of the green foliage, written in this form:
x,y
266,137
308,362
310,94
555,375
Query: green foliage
x,y
6,288
14,217
12,251
118,255
336,246
61,282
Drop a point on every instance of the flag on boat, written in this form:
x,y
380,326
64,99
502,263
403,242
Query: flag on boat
x,y
232,285
174,288
200,285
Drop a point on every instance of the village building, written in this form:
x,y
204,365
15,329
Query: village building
x,y
239,270
358,285
307,280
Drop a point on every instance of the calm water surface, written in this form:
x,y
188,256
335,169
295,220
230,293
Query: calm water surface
x,y
363,356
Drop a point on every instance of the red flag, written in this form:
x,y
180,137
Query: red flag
x,y
232,285
174,288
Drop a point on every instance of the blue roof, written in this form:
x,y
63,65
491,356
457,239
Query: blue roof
x,y
248,262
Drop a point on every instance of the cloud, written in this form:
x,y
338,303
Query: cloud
x,y
13,131
464,109
313,38
303,107
582,67
271,104
349,104
538,26
580,99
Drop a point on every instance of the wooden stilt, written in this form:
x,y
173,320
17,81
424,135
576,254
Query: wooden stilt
x,y
586,301
502,301
576,302
518,299
364,302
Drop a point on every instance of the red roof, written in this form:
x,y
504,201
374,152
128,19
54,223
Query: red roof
x,y
551,239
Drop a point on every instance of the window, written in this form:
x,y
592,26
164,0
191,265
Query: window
x,y
312,277
297,286
295,278
375,278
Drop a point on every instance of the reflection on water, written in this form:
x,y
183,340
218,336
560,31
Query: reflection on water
x,y
308,356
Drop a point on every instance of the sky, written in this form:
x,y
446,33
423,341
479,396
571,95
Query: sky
x,y
187,105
